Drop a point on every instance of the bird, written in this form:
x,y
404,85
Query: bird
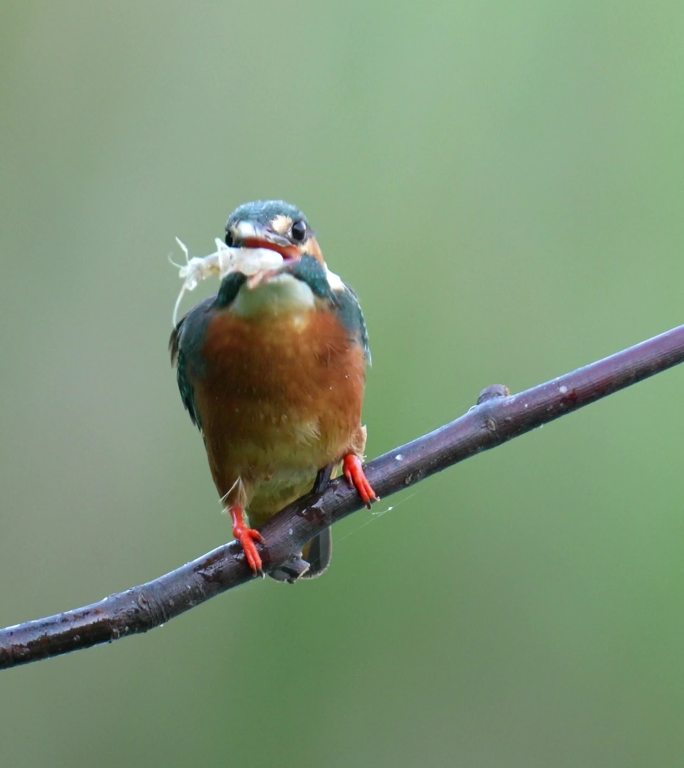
x,y
272,370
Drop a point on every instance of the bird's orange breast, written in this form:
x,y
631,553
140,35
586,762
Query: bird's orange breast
x,y
280,397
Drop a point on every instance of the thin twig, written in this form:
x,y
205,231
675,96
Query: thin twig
x,y
498,417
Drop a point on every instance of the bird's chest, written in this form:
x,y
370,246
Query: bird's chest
x,y
279,390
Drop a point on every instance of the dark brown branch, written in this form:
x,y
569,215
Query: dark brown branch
x,y
497,418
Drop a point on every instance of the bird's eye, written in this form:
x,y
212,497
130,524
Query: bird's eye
x,y
298,231
229,239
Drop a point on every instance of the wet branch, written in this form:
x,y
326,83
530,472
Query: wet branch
x,y
498,417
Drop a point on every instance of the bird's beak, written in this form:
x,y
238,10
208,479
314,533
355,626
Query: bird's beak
x,y
249,235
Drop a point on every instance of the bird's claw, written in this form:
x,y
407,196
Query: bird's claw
x,y
248,538
353,471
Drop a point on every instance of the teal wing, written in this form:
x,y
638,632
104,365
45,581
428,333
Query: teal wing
x,y
187,340
349,308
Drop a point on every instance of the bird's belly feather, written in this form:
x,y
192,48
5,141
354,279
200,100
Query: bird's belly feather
x,y
279,398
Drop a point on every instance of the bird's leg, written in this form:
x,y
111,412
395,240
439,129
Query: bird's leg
x,y
246,536
323,478
353,471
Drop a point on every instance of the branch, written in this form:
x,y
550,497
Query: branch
x,y
497,418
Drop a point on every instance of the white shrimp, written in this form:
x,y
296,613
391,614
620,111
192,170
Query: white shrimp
x,y
221,262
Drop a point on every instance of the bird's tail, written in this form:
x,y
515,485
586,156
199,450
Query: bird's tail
x,y
316,555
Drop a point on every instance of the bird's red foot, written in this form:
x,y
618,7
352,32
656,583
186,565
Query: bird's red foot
x,y
353,471
247,537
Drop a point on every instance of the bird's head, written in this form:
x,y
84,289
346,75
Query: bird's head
x,y
273,224
302,281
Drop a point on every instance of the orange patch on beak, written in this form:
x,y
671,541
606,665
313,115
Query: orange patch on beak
x,y
288,252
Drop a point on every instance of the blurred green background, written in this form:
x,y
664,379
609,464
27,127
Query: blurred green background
x,y
502,184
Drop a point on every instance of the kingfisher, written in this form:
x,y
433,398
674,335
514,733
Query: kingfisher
x,y
272,371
